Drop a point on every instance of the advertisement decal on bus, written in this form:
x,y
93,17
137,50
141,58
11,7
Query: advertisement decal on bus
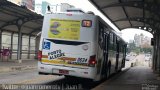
x,y
64,29
64,56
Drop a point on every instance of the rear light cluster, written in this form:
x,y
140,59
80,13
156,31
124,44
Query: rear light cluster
x,y
39,55
92,61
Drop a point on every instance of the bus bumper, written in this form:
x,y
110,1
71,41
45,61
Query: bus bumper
x,y
82,72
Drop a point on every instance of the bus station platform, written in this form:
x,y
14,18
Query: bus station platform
x,y
9,66
133,78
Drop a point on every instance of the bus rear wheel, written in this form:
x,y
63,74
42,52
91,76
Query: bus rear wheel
x,y
108,70
69,77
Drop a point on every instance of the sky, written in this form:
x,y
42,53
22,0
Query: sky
x,y
85,5
128,34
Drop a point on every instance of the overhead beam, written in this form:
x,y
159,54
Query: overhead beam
x,y
148,29
3,21
18,12
151,7
120,1
24,20
144,12
92,1
149,21
27,27
38,21
6,3
35,30
6,30
10,14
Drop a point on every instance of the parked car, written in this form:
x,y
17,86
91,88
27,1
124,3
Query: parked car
x,y
147,57
128,57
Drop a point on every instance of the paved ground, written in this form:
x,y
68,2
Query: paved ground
x,y
10,66
139,77
136,78
12,72
139,61
26,77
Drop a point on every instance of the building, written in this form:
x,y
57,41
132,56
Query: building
x,y
38,9
63,7
137,40
27,3
146,42
142,41
76,10
18,2
43,7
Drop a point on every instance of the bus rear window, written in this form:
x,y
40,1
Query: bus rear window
x,y
86,23
67,42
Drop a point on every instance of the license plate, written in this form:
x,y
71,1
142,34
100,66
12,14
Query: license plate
x,y
64,71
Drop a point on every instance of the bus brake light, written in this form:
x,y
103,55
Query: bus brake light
x,y
92,61
39,55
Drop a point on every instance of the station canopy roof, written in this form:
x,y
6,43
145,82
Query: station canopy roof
x,y
142,14
14,18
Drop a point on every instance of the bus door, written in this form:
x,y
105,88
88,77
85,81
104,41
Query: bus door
x,y
117,54
105,54
124,55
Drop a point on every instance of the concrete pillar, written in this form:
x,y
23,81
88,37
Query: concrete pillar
x,y
29,47
1,42
154,53
37,46
154,58
11,45
19,44
1,39
158,54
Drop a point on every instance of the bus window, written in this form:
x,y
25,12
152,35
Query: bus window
x,y
115,43
111,38
100,36
111,41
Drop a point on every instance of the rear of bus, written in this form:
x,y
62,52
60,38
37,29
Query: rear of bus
x,y
67,45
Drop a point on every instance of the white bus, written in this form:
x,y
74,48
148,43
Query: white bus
x,y
79,45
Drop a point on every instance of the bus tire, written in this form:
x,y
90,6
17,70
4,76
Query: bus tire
x,y
41,73
70,77
108,69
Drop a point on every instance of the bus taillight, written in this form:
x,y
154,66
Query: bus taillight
x,y
39,55
92,61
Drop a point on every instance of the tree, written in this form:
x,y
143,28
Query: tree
x,y
131,46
